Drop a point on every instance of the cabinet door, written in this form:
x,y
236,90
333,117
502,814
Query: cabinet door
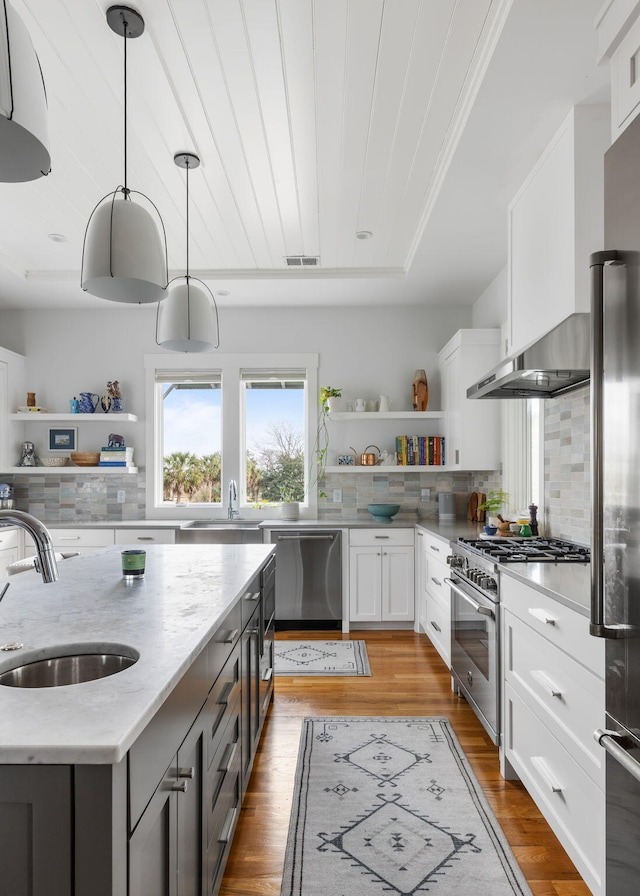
x,y
451,401
6,559
191,839
35,830
153,845
365,584
397,584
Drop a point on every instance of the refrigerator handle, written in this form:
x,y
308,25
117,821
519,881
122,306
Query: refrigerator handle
x,y
597,627
612,742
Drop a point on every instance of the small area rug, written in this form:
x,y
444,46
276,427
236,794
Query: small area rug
x,y
321,658
391,806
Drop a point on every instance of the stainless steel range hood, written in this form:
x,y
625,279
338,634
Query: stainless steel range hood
x,y
555,364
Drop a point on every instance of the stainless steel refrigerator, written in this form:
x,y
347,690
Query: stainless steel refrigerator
x,y
615,559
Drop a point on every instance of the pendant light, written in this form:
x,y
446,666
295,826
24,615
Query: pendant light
x,y
24,139
187,320
124,257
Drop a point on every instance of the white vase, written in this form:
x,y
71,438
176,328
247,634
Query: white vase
x,y
335,404
290,510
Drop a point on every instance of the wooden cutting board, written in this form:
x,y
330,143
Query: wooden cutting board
x,y
481,513
472,507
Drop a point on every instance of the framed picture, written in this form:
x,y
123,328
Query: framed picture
x,y
347,460
63,439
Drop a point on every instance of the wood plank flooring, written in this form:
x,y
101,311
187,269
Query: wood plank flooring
x,y
408,678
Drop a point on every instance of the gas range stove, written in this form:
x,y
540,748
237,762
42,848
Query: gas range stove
x,y
527,550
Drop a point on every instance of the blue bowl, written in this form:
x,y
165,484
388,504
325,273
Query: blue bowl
x,y
383,511
490,530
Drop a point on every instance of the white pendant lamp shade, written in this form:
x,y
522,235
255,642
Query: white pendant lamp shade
x,y
24,140
187,321
124,259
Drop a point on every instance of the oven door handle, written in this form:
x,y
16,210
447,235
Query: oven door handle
x,y
484,611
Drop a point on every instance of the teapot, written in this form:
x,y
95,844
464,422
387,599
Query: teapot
x,y
367,459
88,402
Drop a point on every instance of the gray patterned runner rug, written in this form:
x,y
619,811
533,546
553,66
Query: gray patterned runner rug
x,y
391,807
321,658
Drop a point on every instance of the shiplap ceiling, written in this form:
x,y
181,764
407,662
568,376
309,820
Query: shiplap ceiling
x,y
415,120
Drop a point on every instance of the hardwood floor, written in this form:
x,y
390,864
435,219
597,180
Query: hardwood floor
x,y
408,678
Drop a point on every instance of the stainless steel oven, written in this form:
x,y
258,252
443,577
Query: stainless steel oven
x,y
475,637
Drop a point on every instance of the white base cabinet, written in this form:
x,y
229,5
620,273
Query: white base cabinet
x,y
381,575
434,597
8,549
553,701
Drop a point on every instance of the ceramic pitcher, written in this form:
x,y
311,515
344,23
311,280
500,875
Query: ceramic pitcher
x,y
88,402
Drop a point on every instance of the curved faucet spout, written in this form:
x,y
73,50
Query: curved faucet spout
x,y
46,563
233,510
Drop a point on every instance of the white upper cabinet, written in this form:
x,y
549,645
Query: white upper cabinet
x,y
12,393
555,223
472,428
618,29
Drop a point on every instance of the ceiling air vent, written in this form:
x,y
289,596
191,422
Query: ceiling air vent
x,y
302,261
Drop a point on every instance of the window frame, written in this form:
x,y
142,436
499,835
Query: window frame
x,y
229,367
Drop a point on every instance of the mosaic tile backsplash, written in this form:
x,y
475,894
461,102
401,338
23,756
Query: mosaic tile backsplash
x,y
80,499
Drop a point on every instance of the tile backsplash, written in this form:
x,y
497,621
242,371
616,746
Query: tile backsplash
x,y
80,499
567,468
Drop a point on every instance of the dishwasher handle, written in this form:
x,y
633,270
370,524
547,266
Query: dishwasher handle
x,y
320,536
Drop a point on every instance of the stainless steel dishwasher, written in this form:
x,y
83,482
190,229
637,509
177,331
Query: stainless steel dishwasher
x,y
308,578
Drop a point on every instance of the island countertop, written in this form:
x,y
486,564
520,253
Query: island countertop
x,y
168,617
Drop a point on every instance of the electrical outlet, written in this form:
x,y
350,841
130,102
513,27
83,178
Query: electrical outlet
x,y
122,496
337,495
425,494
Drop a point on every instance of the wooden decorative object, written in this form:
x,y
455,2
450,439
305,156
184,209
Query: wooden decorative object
x,y
420,391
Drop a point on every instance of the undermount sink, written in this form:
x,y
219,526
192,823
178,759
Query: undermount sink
x,y
66,664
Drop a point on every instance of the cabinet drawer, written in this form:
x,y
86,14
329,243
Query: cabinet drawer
x,y
435,582
570,801
8,538
224,798
223,641
567,697
250,600
223,703
436,547
380,536
562,626
438,626
90,538
145,536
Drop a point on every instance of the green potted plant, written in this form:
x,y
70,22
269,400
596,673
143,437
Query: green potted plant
x,y
289,507
329,399
494,503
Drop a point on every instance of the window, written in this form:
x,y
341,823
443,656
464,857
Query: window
x,y
217,418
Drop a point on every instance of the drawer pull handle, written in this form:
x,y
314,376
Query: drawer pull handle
x,y
434,548
181,786
436,626
228,756
546,683
144,537
267,675
227,827
231,636
68,538
226,692
381,536
542,616
436,581
187,772
255,595
541,767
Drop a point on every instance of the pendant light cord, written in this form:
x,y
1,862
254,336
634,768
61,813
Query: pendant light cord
x,y
187,166
125,25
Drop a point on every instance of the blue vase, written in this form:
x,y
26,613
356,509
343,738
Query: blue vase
x,y
116,406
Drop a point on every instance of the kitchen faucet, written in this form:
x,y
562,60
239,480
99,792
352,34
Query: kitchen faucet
x,y
233,511
46,561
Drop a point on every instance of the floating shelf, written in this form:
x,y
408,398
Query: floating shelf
x,y
418,416
72,418
64,471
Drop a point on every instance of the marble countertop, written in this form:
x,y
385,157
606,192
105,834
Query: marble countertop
x,y
168,617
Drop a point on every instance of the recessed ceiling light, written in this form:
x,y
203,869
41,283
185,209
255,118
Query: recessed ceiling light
x,y
364,235
223,292
57,237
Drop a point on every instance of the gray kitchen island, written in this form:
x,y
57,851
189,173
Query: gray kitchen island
x,y
132,783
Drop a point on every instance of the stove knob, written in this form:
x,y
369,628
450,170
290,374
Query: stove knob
x,y
491,585
484,582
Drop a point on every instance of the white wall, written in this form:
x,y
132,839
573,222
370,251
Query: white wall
x,y
490,309
364,351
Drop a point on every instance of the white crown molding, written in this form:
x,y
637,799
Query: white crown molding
x,y
242,274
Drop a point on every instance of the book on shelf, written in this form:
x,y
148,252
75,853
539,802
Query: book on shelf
x,y
420,451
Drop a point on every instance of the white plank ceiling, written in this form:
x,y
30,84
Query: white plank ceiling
x,y
415,120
